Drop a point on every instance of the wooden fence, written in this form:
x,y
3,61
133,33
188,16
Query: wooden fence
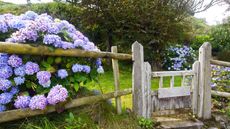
x,y
16,48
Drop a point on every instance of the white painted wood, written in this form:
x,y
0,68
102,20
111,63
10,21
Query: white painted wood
x,y
172,82
116,80
183,80
205,82
138,78
173,92
172,73
219,93
221,63
148,89
161,82
195,86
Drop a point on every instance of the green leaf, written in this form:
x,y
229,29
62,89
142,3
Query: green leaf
x,y
51,48
58,60
50,60
76,86
45,64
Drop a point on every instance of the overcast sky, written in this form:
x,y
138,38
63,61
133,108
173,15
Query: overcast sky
x,y
213,15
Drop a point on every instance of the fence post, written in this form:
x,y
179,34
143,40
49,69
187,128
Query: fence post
x,y
116,80
204,100
138,79
148,73
195,86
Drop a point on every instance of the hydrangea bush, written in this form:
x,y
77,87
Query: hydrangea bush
x,y
37,81
179,58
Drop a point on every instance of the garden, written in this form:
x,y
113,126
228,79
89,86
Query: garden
x,y
36,82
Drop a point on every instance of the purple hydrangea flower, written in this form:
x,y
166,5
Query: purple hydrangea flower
x,y
98,62
31,68
6,72
30,15
57,94
5,84
55,40
19,80
100,69
3,26
3,59
38,102
20,71
44,78
14,61
53,28
22,102
62,73
5,98
78,43
77,68
66,45
14,90
2,108
86,69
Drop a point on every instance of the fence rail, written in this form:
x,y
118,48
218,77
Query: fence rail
x,y
221,63
22,113
16,48
173,73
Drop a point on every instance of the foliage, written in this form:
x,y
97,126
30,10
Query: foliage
x,y
75,123
179,57
145,123
40,76
198,40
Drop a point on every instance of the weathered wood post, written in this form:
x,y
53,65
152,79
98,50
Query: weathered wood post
x,y
204,105
138,77
116,80
195,86
148,73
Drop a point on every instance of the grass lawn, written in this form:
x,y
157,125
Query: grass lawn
x,y
106,83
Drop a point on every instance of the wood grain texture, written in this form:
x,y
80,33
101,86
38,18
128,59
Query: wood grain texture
x,y
195,87
173,92
172,73
222,94
23,113
116,80
16,48
148,89
221,63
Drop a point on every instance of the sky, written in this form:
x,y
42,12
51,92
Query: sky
x,y
213,15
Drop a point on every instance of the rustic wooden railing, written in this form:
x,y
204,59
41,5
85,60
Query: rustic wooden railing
x,y
220,63
16,48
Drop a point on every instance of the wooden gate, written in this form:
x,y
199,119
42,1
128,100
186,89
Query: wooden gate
x,y
194,94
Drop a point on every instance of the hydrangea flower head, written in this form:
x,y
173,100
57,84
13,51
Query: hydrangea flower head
x,y
14,90
86,69
67,45
6,72
5,84
57,94
3,59
22,102
77,68
3,26
52,39
19,80
38,102
30,15
20,71
31,68
14,61
100,69
43,77
2,108
62,73
5,98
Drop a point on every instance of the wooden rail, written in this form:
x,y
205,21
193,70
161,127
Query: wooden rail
x,y
173,73
17,48
221,63
23,113
222,94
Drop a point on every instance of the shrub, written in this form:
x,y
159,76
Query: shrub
x,y
179,58
145,123
47,80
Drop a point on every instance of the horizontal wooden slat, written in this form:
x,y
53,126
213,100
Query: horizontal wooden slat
x,y
23,113
222,94
172,73
173,92
221,63
17,48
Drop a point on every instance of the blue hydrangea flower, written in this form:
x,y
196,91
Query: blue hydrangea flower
x,y
3,59
62,73
53,28
16,24
78,43
86,69
31,68
5,84
14,61
22,102
2,108
44,78
55,40
98,62
57,94
38,102
6,72
66,45
77,68
5,98
100,69
20,71
14,90
3,26
19,80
